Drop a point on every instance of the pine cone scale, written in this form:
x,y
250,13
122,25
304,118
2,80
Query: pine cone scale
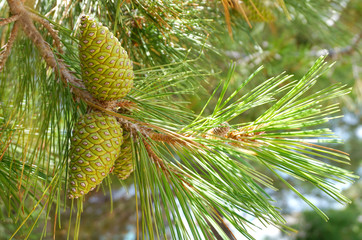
x,y
102,56
123,166
95,146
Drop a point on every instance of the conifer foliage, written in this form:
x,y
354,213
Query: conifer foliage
x,y
75,112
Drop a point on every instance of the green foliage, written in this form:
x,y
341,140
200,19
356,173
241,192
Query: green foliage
x,y
192,183
343,224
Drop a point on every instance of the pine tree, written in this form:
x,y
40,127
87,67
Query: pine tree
x,y
197,169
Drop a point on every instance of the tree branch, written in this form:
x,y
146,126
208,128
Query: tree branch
x,y
25,21
5,54
126,104
167,170
156,159
50,29
9,20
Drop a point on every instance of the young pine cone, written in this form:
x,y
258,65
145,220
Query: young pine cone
x,y
95,145
123,167
107,71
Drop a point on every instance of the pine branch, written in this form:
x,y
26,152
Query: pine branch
x,y
194,172
125,105
25,21
158,161
51,30
148,130
9,20
54,62
6,52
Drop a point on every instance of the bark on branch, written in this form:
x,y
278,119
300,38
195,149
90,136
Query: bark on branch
x,y
25,20
51,31
6,52
9,20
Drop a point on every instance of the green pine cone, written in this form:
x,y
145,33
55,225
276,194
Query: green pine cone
x,y
123,166
95,145
107,71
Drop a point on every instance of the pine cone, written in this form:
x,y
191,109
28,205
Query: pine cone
x,y
95,145
107,71
123,167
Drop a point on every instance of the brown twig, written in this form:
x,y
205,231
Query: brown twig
x,y
5,54
161,137
156,136
146,129
133,128
167,170
69,80
25,20
221,222
243,135
157,160
9,20
126,104
50,29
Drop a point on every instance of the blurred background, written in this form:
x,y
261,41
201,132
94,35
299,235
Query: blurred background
x,y
280,35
